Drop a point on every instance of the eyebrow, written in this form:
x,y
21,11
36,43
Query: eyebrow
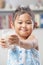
x,y
29,21
26,20
20,20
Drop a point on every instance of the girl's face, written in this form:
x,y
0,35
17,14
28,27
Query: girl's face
x,y
23,25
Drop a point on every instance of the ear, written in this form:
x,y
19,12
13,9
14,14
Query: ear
x,y
11,24
35,25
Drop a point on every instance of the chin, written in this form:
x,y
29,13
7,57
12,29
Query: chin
x,y
24,36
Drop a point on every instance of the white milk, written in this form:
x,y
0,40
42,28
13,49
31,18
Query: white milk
x,y
5,35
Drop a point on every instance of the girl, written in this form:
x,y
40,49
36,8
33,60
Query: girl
x,y
25,50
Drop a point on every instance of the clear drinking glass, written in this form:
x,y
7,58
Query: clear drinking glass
x,y
5,35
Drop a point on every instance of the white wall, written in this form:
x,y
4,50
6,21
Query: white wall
x,y
39,34
3,56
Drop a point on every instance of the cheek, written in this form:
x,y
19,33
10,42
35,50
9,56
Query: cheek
x,y
17,27
30,26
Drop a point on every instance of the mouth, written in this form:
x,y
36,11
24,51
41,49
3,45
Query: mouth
x,y
24,30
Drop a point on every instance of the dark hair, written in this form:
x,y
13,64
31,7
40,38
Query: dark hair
x,y
22,10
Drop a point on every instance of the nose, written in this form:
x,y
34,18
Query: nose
x,y
24,25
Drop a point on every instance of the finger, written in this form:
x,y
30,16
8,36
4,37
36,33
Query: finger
x,y
4,46
14,35
2,40
2,43
12,42
13,38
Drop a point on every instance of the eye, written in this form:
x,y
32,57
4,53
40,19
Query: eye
x,y
28,22
19,22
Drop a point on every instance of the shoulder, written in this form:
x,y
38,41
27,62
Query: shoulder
x,y
32,37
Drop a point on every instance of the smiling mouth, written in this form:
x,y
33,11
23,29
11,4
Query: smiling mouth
x,y
23,30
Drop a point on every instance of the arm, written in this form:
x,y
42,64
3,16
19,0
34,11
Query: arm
x,y
26,45
35,44
23,43
30,44
18,42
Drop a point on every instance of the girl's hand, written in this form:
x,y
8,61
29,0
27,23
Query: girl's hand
x,y
3,43
13,39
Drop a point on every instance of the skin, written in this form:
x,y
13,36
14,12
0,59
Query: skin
x,y
23,28
23,25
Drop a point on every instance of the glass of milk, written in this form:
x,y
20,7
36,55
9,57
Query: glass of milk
x,y
5,35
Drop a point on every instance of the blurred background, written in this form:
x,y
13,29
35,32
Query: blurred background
x,y
7,8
